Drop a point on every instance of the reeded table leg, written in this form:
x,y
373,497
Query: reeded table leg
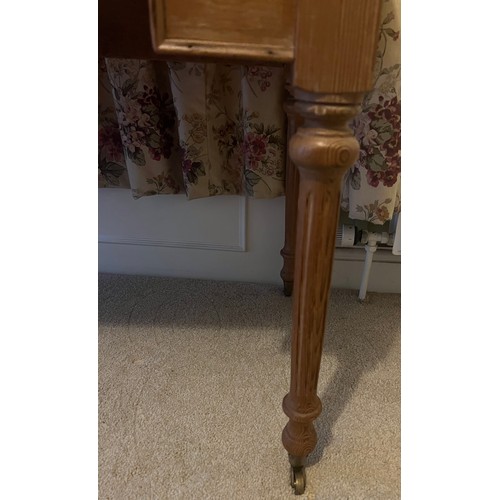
x,y
322,148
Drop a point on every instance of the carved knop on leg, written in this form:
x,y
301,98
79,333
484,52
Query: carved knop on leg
x,y
324,142
299,436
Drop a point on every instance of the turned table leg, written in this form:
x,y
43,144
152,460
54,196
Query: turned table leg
x,y
322,148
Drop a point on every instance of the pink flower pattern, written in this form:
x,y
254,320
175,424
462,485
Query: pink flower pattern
x,y
378,130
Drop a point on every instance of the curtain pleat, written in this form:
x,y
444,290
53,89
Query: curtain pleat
x,y
203,129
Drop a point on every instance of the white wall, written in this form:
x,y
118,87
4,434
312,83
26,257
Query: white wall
x,y
221,238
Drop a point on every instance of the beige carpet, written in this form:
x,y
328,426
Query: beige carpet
x,y
191,378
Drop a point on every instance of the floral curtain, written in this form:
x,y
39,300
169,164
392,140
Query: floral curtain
x,y
213,129
372,186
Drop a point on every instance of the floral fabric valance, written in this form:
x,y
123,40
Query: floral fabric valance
x,y
213,129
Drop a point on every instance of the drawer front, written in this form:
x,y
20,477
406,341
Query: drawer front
x,y
259,29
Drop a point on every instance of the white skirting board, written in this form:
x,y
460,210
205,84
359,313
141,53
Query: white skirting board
x,y
221,238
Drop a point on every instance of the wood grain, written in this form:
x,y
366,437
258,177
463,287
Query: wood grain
x,y
322,148
254,30
335,44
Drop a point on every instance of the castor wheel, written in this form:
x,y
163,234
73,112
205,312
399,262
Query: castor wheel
x,y
298,479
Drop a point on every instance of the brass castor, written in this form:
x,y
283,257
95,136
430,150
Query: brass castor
x,y
298,479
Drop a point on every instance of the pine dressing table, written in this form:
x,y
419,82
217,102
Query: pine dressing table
x,y
330,47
